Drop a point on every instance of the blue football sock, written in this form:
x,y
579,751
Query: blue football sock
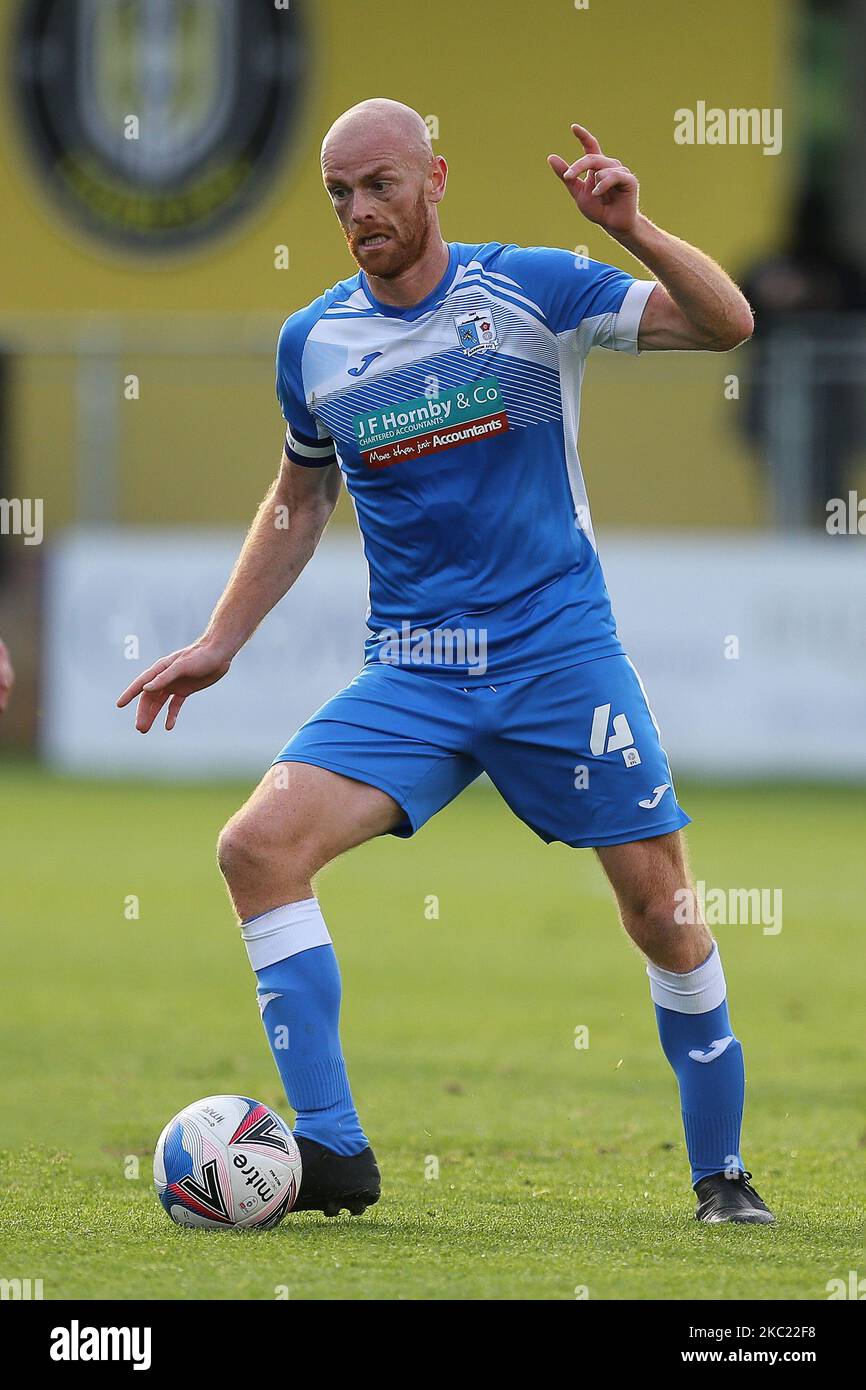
x,y
698,1041
299,994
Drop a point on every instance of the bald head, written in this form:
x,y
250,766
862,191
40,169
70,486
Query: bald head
x,y
380,125
385,183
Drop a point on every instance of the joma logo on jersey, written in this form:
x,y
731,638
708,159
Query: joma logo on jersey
x,y
621,738
430,424
476,331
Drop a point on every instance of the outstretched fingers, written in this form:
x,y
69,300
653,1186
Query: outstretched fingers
x,y
592,161
149,706
173,711
146,678
592,165
558,164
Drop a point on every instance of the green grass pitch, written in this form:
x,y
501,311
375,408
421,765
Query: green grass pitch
x,y
559,1169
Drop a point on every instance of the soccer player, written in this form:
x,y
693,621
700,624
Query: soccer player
x,y
442,382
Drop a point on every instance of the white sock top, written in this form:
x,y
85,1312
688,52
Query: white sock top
x,y
695,992
284,931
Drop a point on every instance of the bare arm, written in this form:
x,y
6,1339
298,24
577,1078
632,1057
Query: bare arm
x,y
286,530
696,305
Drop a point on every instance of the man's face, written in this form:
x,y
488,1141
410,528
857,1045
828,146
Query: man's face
x,y
384,204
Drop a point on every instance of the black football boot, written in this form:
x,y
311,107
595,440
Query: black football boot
x,y
330,1182
721,1198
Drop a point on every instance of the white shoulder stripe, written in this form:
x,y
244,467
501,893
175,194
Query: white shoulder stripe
x,y
497,275
483,278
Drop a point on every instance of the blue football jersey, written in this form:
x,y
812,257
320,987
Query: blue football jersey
x,y
455,425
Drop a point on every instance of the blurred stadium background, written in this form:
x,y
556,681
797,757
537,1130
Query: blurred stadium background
x,y
144,283
145,280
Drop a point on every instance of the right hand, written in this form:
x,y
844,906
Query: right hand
x,y
174,678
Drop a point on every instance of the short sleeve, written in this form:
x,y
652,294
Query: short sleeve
x,y
308,443
584,302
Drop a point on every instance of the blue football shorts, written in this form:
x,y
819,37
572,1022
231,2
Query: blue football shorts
x,y
575,752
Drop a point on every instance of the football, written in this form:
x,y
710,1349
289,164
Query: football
x,y
227,1161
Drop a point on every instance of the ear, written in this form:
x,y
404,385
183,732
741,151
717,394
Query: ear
x,y
438,178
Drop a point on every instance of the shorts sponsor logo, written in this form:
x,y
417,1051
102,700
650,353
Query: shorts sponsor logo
x,y
431,424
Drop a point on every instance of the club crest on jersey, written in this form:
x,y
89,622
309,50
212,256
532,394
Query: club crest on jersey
x,y
476,331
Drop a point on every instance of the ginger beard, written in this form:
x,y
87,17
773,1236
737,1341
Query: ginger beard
x,y
405,244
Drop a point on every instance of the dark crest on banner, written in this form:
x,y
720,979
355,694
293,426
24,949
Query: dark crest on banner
x,y
157,122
